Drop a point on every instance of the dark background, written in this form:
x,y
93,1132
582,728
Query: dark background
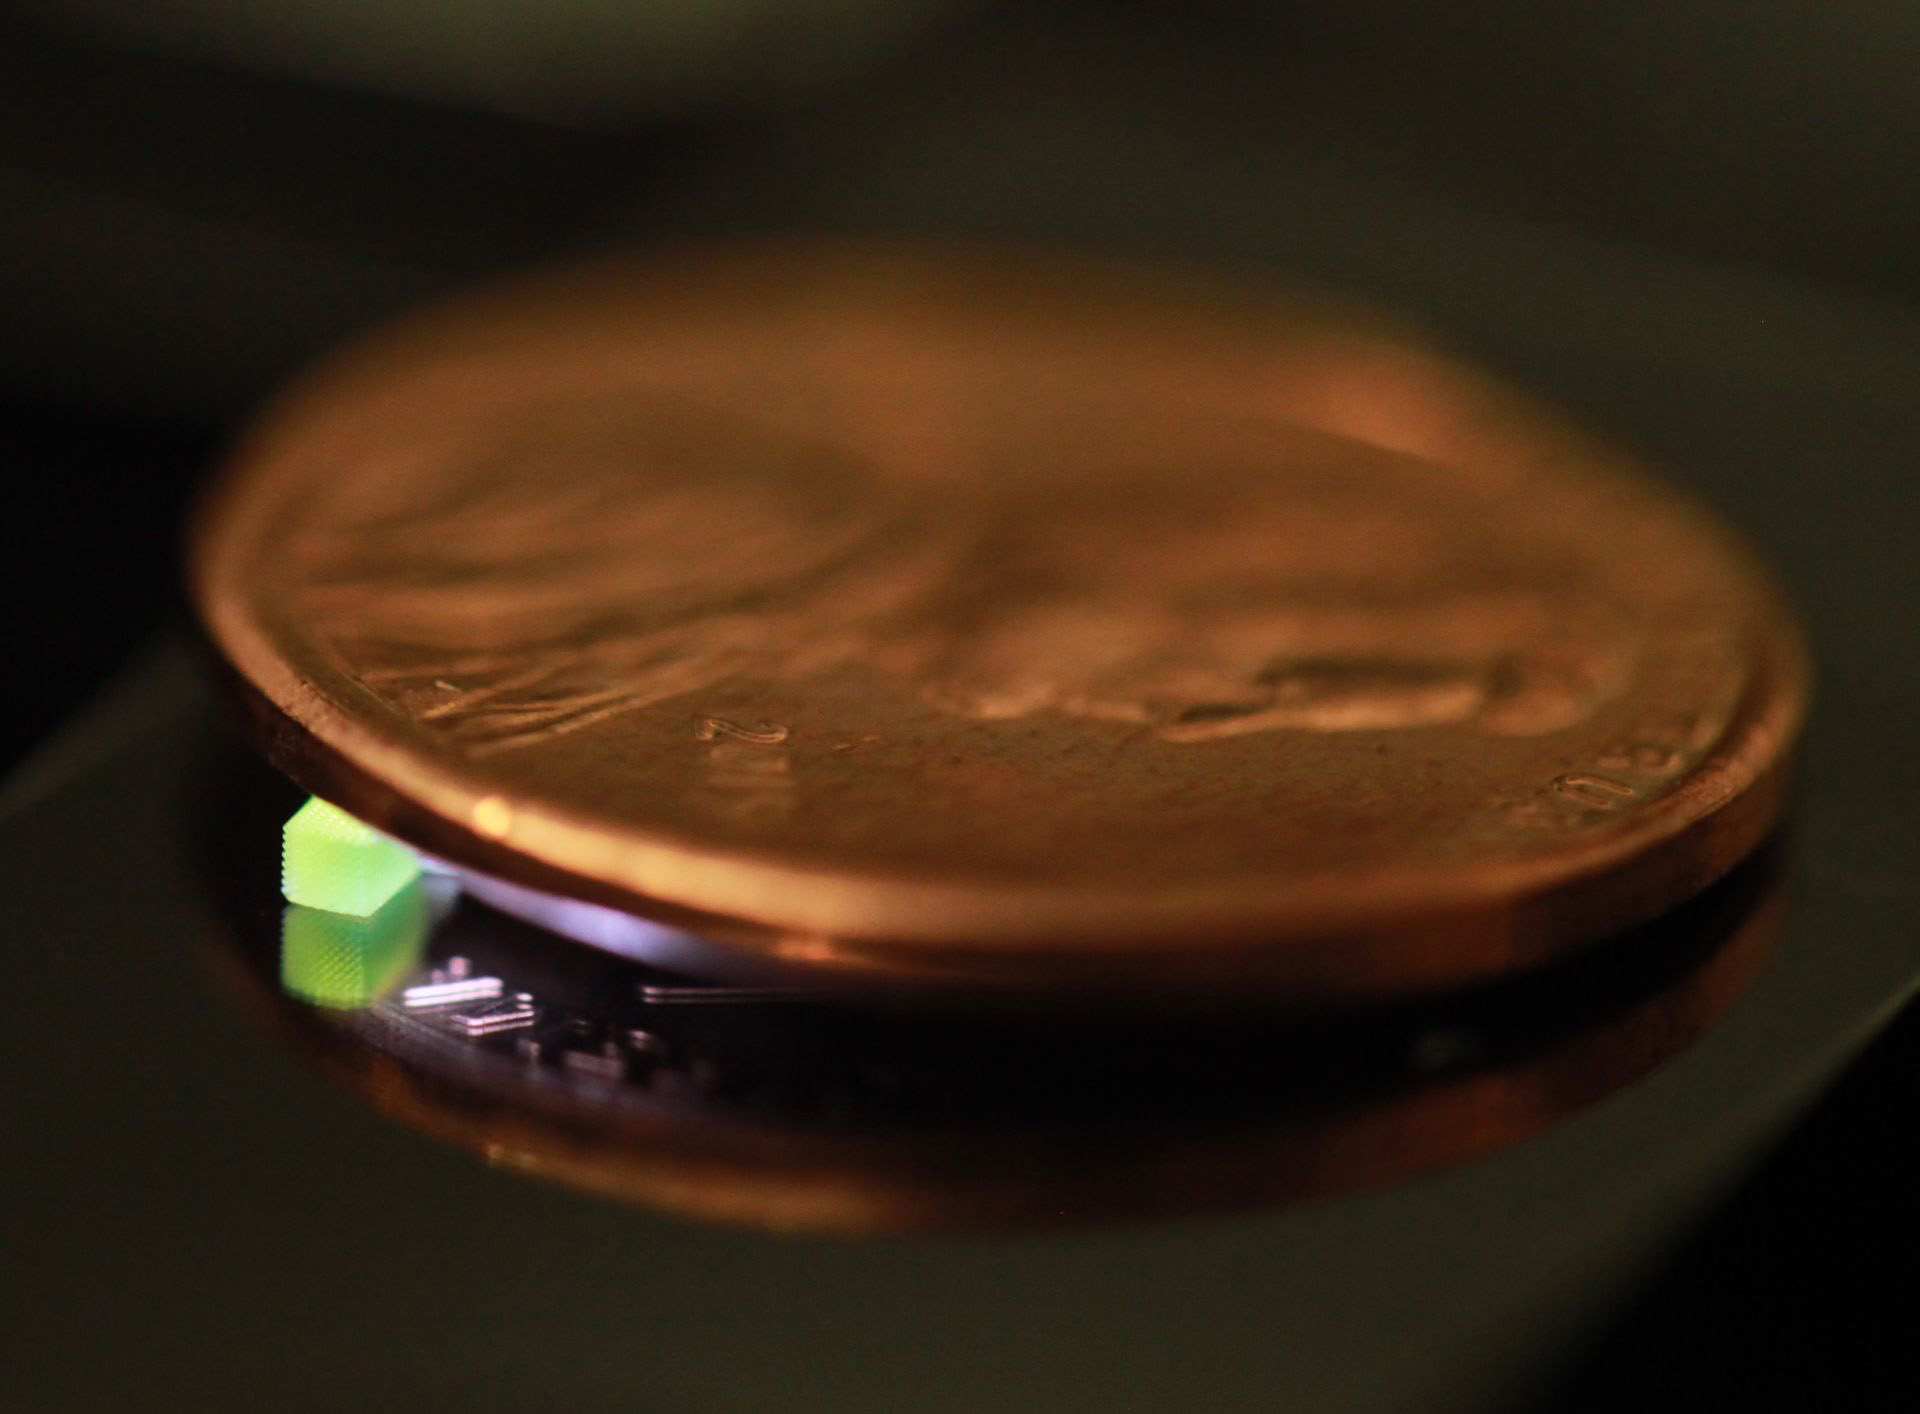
x,y
1694,222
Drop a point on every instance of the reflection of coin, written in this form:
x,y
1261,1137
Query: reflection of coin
x,y
970,617
814,1112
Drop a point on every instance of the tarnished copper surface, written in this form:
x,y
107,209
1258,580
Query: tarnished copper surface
x,y
980,617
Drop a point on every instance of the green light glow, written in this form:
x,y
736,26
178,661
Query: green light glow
x,y
333,960
330,860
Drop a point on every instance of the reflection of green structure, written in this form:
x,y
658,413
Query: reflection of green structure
x,y
330,860
334,960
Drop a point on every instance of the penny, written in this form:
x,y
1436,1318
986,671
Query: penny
x,y
909,614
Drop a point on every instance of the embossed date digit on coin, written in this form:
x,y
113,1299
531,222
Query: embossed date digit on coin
x,y
726,729
749,776
1624,774
1595,792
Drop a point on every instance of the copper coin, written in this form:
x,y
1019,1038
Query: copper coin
x,y
904,613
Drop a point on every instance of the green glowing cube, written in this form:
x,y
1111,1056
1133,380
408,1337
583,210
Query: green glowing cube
x,y
333,960
330,860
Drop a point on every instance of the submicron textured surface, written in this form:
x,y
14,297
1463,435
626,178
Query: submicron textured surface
x,y
337,960
331,861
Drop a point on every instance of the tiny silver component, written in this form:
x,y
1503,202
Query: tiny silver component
x,y
512,1014
451,992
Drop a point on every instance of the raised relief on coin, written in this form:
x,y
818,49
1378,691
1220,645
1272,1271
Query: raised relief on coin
x,y
576,574
643,554
749,772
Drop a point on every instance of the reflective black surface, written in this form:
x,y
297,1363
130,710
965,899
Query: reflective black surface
x,y
192,1182
841,1111
195,1219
